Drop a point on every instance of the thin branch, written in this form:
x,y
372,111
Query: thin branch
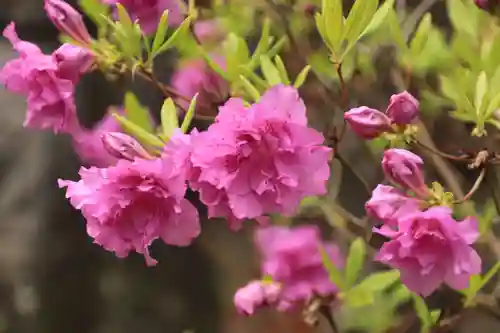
x,y
419,11
325,311
474,188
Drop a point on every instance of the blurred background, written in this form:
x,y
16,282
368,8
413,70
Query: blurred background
x,y
54,280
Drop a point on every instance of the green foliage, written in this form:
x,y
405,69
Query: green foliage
x,y
333,272
355,262
188,118
96,10
427,317
136,113
477,282
169,120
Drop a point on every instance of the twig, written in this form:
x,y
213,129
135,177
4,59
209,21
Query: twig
x,y
462,158
417,13
325,311
474,188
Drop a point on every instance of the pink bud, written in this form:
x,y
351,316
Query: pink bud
x,y
403,108
488,5
208,31
123,146
67,20
405,169
254,295
367,123
73,61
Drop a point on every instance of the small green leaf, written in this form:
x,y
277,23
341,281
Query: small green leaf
x,y
333,23
355,261
136,113
423,313
301,78
434,316
263,44
270,72
359,17
95,10
250,88
282,70
123,17
189,115
181,30
358,297
476,283
380,281
333,272
462,18
481,91
487,216
257,80
379,17
169,120
138,132
421,35
161,32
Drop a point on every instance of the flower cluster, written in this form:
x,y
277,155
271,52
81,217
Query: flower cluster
x,y
292,267
427,245
369,123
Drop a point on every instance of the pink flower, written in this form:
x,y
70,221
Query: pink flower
x,y
208,31
488,5
149,12
367,123
405,169
254,295
48,82
131,204
196,77
89,146
403,108
291,258
67,20
72,62
430,248
388,204
259,160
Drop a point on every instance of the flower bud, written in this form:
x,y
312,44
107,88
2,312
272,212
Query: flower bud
x,y
367,123
208,31
123,146
67,20
405,169
403,108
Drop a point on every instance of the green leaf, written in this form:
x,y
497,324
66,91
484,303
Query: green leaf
x,y
476,283
123,17
355,261
95,10
487,216
379,281
188,118
250,88
333,272
161,32
333,24
263,44
423,313
169,120
358,297
395,30
270,72
181,30
359,17
462,18
301,78
481,91
136,113
434,316
282,70
145,137
421,35
379,17
262,85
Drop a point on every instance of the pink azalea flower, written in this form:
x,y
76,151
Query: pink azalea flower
x,y
196,77
149,12
388,204
89,146
48,81
291,258
67,20
254,295
259,160
131,204
430,248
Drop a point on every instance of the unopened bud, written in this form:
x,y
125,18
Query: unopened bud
x,y
488,5
405,169
403,108
67,20
123,146
367,123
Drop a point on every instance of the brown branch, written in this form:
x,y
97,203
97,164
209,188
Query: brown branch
x,y
474,188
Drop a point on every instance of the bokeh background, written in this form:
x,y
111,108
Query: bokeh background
x,y
54,280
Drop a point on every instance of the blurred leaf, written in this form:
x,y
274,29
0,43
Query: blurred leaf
x,y
332,24
488,214
379,18
189,115
161,32
95,10
379,281
395,30
334,274
174,38
423,313
421,35
355,261
301,78
476,283
169,120
282,70
360,16
136,113
358,297
250,88
462,18
263,44
270,72
481,90
434,316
